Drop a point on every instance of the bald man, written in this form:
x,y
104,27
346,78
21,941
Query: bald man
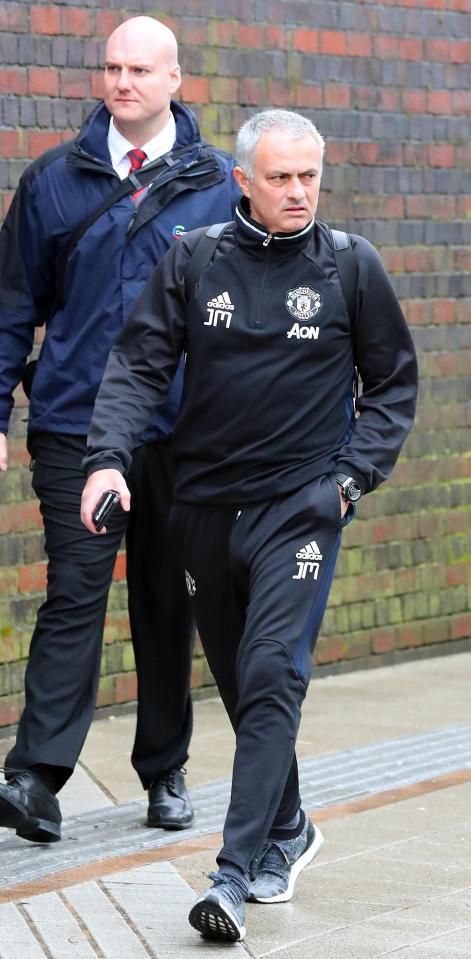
x,y
88,223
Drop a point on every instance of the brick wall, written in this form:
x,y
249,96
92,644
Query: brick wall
x,y
388,85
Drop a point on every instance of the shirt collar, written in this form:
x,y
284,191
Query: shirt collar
x,y
154,148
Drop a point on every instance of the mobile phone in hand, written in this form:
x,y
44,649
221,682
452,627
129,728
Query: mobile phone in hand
x,y
104,507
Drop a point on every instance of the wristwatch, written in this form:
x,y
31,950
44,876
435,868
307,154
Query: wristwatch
x,y
349,487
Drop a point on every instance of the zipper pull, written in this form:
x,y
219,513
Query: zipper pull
x,y
268,240
131,221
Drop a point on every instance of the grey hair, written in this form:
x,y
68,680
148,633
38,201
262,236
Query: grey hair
x,y
284,122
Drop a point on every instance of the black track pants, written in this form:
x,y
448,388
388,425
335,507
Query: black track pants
x,y
260,579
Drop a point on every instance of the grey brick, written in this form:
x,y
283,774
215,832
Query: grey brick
x,y
250,12
59,52
44,111
408,181
434,392
60,119
26,50
91,53
366,70
43,51
456,76
382,125
435,231
410,232
431,338
24,613
4,175
319,15
192,62
9,48
16,168
353,16
27,112
313,68
444,24
446,181
458,130
277,65
74,113
33,547
389,20
10,111
352,124
75,53
231,63
10,550
413,21
435,76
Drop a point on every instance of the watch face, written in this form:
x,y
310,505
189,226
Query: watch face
x,y
353,492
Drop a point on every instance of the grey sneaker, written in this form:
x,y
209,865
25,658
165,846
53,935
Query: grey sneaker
x,y
281,864
220,912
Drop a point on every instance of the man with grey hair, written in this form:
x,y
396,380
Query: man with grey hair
x,y
283,123
271,458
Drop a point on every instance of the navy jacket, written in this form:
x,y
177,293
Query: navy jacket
x,y
104,273
267,401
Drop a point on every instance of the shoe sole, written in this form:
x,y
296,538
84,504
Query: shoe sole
x,y
28,827
215,922
169,824
297,868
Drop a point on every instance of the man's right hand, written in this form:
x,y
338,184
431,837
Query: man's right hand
x,y
3,452
97,484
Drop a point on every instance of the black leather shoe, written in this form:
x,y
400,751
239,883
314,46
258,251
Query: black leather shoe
x,y
28,806
169,802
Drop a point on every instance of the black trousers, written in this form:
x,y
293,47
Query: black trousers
x,y
64,660
162,626
260,579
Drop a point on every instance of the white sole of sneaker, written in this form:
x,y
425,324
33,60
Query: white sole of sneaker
x,y
298,867
215,921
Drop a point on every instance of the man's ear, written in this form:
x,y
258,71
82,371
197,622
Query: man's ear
x,y
242,181
175,78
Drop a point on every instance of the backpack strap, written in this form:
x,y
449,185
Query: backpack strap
x,y
202,255
347,266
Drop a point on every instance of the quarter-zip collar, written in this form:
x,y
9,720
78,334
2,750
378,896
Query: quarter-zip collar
x,y
254,236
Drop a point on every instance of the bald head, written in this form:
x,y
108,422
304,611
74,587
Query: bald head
x,y
145,33
141,75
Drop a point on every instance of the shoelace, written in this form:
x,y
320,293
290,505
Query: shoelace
x,y
170,778
13,774
274,860
231,890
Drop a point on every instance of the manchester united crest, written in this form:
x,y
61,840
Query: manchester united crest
x,y
303,303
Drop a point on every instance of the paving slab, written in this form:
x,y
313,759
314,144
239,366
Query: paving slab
x,y
366,894
385,765
324,781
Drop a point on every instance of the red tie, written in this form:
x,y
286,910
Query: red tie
x,y
137,158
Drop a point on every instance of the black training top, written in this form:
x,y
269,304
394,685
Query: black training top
x,y
267,400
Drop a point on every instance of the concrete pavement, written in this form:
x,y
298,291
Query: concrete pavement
x,y
385,758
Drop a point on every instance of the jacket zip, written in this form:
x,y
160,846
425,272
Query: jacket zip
x,y
257,324
155,185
